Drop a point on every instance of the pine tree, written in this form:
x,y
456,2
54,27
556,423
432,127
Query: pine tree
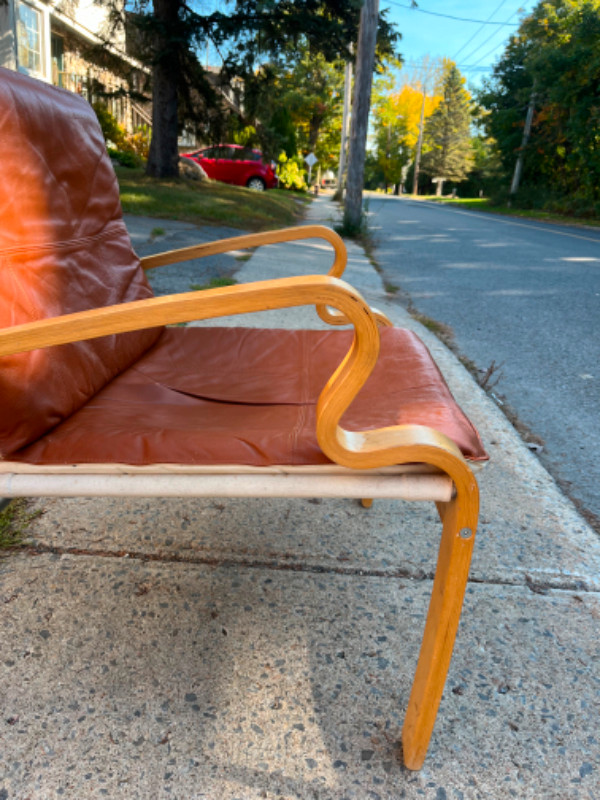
x,y
172,34
556,51
447,143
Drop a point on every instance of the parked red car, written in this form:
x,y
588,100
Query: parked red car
x,y
232,163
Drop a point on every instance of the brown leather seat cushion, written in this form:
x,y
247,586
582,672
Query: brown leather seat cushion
x,y
199,396
248,396
63,248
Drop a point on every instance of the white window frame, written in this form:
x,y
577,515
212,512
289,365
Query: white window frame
x,y
42,67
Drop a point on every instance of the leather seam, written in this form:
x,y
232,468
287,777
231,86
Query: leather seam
x,y
29,250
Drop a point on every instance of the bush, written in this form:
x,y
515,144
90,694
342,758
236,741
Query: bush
x,y
139,141
129,150
573,206
113,132
126,158
527,198
541,198
245,136
290,174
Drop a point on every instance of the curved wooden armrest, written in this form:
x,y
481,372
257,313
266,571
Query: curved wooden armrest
x,y
401,444
270,237
362,450
255,240
178,308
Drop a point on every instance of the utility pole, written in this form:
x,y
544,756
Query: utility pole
x,y
415,188
365,59
526,131
345,120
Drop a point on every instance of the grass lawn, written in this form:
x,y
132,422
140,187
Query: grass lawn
x,y
483,204
207,202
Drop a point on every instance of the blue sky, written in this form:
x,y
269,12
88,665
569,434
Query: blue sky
x,y
466,31
474,46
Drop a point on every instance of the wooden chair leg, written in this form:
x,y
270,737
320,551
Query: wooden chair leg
x,y
366,503
459,519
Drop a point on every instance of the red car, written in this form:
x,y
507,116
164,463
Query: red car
x,y
232,163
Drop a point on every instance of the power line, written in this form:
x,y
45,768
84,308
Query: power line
x,y
467,68
478,31
488,39
450,16
462,67
483,57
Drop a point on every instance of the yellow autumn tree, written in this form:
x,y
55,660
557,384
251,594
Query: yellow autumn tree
x,y
396,114
406,105
396,118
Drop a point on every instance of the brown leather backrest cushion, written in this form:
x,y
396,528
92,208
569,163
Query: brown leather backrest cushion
x,y
63,248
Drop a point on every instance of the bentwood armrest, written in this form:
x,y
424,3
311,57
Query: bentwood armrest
x,y
255,240
269,237
185,307
358,450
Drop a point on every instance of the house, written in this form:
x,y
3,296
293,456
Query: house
x,y
70,44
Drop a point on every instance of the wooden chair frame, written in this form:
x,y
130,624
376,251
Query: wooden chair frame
x,y
362,457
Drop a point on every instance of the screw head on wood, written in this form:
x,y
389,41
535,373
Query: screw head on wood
x,y
465,533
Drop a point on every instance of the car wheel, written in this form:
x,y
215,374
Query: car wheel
x,y
257,184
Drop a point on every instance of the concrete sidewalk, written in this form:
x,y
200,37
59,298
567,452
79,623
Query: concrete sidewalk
x,y
235,649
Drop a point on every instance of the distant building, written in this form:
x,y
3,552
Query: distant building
x,y
71,45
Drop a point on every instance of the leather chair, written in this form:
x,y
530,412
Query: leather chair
x,y
98,396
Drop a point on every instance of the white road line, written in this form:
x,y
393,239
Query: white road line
x,y
548,229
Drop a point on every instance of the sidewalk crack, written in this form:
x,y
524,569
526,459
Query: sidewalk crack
x,y
281,563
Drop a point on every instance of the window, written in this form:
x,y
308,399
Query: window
x,y
246,154
225,152
57,46
29,38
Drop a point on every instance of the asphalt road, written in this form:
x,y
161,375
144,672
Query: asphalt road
x,y
525,295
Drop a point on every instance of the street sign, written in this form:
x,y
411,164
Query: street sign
x,y
311,160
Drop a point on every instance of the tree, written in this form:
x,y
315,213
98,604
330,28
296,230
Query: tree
x,y
448,132
295,103
403,112
248,33
505,99
374,177
305,80
406,105
311,90
426,78
486,173
396,122
556,49
165,35
164,156
391,148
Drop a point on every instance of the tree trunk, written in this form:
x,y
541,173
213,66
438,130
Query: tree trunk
x,y
314,128
415,190
365,59
163,157
438,188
